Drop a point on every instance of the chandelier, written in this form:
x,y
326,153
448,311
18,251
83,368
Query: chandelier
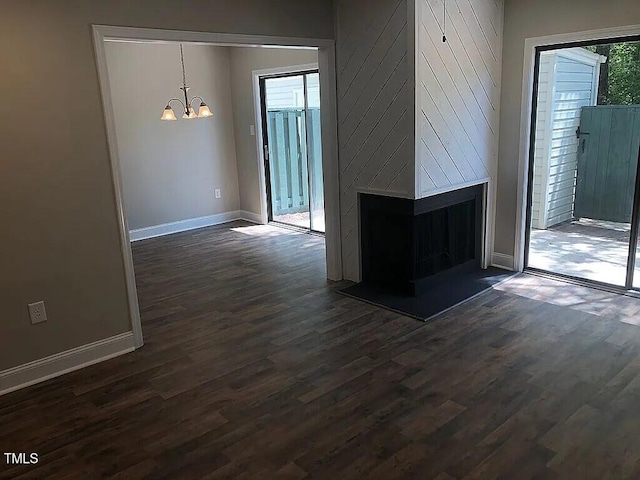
x,y
187,106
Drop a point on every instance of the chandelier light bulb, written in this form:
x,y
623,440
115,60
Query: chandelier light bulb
x,y
168,114
204,111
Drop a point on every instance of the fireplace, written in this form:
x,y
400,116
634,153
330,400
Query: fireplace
x,y
407,246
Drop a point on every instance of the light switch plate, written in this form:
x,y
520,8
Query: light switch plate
x,y
252,130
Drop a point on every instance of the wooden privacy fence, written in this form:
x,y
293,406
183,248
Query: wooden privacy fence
x,y
288,157
609,141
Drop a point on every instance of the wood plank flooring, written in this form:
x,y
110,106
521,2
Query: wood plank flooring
x,y
254,367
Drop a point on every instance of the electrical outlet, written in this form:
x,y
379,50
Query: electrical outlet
x,y
252,130
37,312
218,194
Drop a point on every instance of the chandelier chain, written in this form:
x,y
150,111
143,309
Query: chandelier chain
x,y
184,76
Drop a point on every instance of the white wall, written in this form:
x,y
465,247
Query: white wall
x,y
375,114
528,19
243,61
457,93
171,169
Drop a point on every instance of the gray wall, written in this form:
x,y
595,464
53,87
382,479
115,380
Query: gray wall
x,y
244,60
170,170
60,238
535,18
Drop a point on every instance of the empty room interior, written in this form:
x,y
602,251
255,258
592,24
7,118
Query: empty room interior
x,y
351,239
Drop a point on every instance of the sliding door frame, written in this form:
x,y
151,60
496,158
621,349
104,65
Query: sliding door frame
x,y
526,105
635,233
528,196
262,94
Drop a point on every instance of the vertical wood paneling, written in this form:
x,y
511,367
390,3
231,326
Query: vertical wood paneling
x,y
374,120
288,157
607,162
457,93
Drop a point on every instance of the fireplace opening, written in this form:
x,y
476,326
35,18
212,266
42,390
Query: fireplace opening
x,y
407,246
445,238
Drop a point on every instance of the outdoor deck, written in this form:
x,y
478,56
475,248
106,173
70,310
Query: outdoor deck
x,y
584,248
303,220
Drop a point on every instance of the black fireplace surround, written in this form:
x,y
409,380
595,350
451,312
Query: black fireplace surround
x,y
409,245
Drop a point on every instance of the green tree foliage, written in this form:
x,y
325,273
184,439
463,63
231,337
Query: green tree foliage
x,y
620,76
624,74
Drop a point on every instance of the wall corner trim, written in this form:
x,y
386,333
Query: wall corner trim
x,y
58,364
500,260
250,216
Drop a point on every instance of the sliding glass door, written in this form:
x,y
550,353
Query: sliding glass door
x,y
583,206
293,149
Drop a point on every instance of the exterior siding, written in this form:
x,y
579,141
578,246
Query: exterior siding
x,y
287,92
545,103
568,81
575,83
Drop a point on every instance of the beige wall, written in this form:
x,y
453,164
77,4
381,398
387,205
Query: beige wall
x,y
60,237
244,61
170,170
535,18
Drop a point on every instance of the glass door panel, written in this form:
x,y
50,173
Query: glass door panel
x,y
582,178
293,149
286,139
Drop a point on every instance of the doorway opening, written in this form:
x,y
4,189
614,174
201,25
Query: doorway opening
x,y
247,129
292,148
583,203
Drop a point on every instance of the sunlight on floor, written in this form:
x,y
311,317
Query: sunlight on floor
x,y
265,231
576,297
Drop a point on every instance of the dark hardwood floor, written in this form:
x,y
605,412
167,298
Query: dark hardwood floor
x,y
254,367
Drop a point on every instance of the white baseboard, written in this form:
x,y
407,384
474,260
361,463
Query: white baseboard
x,y
191,224
501,260
64,362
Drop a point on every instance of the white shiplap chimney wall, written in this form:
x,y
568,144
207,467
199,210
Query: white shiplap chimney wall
x,y
457,93
374,110
416,116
